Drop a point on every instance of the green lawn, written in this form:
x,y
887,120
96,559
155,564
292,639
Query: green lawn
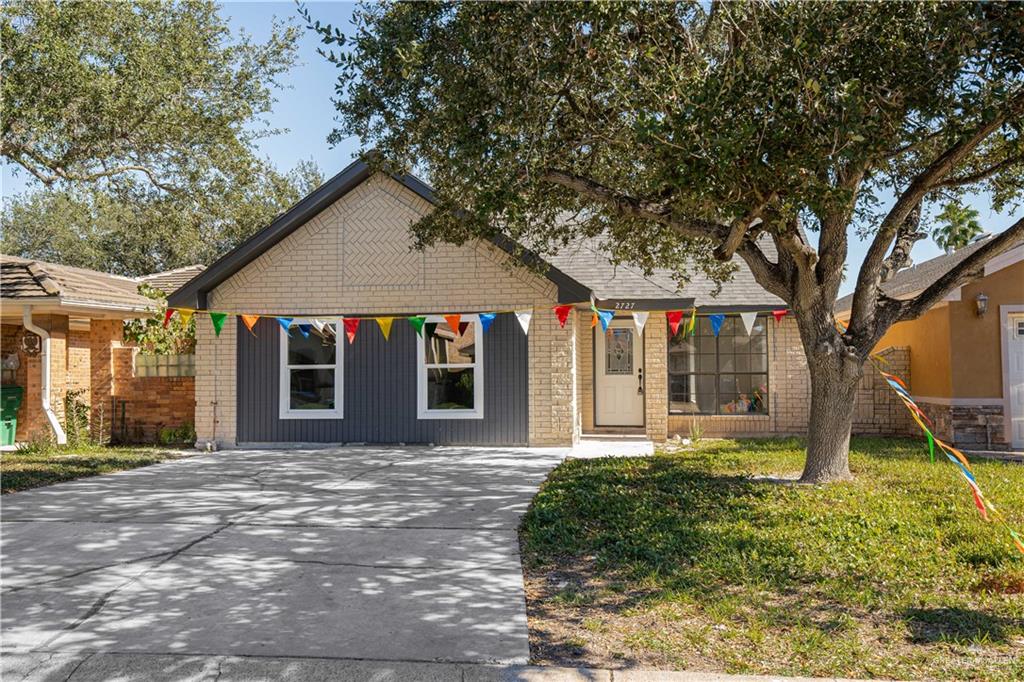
x,y
34,466
684,561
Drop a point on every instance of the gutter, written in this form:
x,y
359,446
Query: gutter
x,y
58,430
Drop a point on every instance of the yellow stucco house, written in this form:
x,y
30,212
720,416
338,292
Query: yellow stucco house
x,y
967,353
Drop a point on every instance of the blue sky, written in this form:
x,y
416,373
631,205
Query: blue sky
x,y
305,109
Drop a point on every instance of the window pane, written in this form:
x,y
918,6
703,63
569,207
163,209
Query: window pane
x,y
311,389
444,346
743,393
318,349
618,356
450,389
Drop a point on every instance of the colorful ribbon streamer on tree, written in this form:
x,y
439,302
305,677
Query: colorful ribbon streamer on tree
x,y
988,511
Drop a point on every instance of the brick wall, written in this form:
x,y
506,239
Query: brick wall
x,y
151,403
656,377
95,361
355,258
877,408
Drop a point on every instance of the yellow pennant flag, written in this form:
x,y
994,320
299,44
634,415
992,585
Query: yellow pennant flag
x,y
385,326
185,314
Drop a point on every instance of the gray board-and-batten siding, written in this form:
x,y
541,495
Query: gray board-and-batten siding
x,y
380,391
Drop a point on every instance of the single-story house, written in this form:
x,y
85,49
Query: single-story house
x,y
63,333
345,251
966,353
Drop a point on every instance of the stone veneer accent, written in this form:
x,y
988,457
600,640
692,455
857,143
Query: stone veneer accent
x,y
324,268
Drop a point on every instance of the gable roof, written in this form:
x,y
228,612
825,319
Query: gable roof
x,y
580,272
193,293
913,280
171,280
64,288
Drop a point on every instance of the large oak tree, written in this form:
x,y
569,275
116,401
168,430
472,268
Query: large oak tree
x,y
690,133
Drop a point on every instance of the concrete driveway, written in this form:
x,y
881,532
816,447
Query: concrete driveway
x,y
398,554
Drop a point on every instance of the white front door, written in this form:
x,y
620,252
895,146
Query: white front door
x,y
618,374
1015,377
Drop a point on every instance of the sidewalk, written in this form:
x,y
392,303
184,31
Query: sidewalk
x,y
82,667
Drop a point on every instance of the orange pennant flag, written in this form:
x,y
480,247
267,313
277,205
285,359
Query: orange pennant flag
x,y
385,326
453,322
250,321
593,321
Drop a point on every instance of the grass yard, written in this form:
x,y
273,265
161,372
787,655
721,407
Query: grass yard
x,y
683,560
35,466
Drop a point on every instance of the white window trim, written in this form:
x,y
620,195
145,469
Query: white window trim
x,y
478,374
285,410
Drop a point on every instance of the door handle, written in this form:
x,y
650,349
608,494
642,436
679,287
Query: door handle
x,y
640,380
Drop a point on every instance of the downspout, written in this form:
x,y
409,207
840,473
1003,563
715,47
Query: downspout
x,y
44,335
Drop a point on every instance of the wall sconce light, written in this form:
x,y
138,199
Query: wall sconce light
x,y
981,304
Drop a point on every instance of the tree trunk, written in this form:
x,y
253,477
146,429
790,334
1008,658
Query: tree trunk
x,y
833,390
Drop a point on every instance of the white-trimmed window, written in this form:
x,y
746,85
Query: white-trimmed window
x,y
450,370
312,376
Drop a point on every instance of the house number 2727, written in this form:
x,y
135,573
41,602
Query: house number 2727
x,y
625,305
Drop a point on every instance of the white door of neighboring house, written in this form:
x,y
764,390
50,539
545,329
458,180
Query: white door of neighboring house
x,y
618,376
1015,376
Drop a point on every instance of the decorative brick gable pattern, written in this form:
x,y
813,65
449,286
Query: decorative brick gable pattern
x,y
355,258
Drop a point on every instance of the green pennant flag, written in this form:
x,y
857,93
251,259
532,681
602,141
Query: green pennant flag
x,y
218,321
931,445
417,324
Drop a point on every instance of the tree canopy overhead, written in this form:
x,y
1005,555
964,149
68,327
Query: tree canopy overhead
x,y
138,122
686,133
161,90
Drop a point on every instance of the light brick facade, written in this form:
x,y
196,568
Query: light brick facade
x,y
356,258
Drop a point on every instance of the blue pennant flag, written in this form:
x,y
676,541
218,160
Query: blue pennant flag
x,y
606,318
285,323
716,323
305,329
486,319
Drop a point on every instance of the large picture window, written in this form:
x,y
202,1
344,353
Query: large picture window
x,y
311,372
727,374
450,371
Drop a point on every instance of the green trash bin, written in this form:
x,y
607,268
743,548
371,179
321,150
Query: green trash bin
x,y
10,401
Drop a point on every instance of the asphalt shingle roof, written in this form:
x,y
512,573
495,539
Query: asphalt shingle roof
x,y
588,263
27,280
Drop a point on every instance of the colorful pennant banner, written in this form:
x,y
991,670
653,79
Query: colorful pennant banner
x,y
385,326
351,327
486,319
250,321
417,322
217,319
985,508
716,321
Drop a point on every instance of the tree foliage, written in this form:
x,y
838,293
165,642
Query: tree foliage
x,y
132,229
152,337
956,226
157,90
139,122
688,133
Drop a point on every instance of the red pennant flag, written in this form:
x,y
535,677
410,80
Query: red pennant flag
x,y
562,313
167,317
779,314
674,317
250,322
453,322
351,325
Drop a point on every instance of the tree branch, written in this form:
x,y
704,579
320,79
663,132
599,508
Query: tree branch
x,y
983,174
963,272
739,228
869,278
627,205
906,237
769,275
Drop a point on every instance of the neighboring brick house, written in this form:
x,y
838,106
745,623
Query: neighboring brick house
x,y
345,250
967,353
62,332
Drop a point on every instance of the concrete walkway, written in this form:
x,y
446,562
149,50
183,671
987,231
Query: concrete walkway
x,y
389,554
162,668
